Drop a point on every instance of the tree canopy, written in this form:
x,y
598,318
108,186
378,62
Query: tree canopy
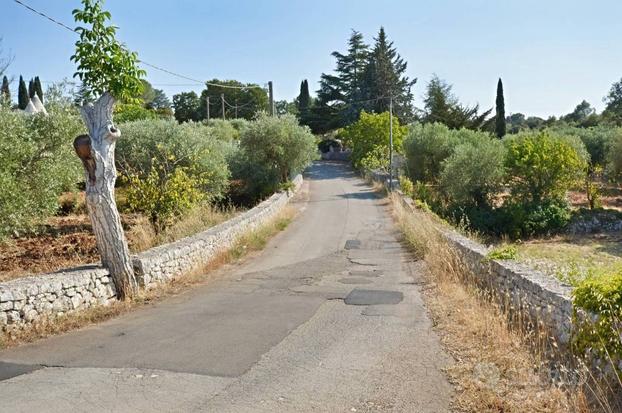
x,y
613,110
241,99
104,64
364,79
441,105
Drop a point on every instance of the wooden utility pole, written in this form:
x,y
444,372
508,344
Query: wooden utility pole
x,y
390,143
222,101
207,102
236,108
271,98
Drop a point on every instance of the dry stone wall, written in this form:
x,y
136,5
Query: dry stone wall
x,y
28,299
532,297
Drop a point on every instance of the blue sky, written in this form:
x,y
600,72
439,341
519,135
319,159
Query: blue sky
x,y
551,54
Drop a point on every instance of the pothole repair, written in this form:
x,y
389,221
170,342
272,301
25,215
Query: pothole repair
x,y
373,297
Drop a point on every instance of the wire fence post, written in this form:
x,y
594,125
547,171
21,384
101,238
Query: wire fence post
x,y
222,100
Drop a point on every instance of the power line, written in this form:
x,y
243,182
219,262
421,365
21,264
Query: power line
x,y
21,3
45,16
236,105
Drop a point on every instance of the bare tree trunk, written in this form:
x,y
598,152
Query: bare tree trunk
x,y
97,155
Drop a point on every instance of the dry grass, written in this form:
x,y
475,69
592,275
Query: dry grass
x,y
250,242
142,234
496,368
572,258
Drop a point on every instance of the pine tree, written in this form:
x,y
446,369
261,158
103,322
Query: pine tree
x,y
304,102
500,129
441,105
38,88
5,92
385,77
22,94
339,92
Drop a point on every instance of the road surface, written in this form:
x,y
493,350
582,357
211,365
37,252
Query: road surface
x,y
328,318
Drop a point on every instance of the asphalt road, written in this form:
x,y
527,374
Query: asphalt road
x,y
328,318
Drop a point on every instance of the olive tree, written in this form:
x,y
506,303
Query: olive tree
x,y
108,71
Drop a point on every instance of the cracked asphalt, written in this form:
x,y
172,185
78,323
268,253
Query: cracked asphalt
x,y
328,318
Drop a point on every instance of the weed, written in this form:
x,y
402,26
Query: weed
x,y
506,252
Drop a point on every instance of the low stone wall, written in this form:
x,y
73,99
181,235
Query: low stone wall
x,y
25,300
164,262
531,297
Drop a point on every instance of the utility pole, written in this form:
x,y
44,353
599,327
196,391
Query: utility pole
x,y
271,96
236,108
222,101
390,143
207,101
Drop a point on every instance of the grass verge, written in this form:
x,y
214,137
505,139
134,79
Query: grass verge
x,y
496,368
249,242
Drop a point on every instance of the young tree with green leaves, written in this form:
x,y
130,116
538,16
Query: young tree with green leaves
x,y
108,72
5,92
22,94
500,111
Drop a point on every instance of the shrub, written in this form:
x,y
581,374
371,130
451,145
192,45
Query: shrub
x,y
407,186
164,192
224,130
369,139
474,173
543,166
272,150
602,296
37,164
239,124
376,159
129,112
614,155
426,147
527,220
150,143
505,252
597,141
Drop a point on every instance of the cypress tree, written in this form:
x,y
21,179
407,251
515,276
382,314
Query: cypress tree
x,y
31,88
500,129
5,92
304,99
22,94
38,88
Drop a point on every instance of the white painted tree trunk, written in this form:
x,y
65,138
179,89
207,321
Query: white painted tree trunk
x,y
101,175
